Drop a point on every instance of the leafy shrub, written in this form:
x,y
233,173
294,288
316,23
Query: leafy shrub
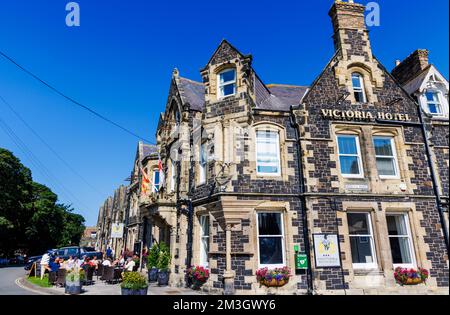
x,y
152,258
134,281
164,257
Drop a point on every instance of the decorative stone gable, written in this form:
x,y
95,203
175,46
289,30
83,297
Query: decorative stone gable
x,y
351,39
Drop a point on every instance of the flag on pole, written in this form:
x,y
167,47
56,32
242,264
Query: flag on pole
x,y
145,182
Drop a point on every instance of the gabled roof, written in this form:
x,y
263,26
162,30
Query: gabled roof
x,y
419,82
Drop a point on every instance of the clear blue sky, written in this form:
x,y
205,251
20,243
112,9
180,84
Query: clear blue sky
x,y
119,62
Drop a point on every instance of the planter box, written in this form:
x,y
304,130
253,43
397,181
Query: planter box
x,y
153,275
134,292
72,289
163,278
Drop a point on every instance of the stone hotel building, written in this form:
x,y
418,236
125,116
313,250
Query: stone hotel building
x,y
265,175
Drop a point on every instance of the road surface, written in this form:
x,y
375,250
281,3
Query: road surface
x,y
8,285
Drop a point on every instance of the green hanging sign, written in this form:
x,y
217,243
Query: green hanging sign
x,y
301,260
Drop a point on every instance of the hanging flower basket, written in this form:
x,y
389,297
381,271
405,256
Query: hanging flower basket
x,y
405,276
277,277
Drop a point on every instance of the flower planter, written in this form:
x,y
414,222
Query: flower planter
x,y
414,281
72,289
405,276
163,278
134,292
196,285
274,283
153,275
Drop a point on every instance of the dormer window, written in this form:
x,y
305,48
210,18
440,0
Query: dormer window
x,y
434,106
226,83
358,88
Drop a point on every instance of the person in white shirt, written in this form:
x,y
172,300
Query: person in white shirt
x,y
45,260
107,262
130,265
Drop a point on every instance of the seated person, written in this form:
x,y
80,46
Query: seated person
x,y
129,265
107,262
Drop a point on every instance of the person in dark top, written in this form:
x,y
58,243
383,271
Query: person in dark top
x,y
109,252
54,267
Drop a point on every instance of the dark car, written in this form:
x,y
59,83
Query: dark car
x,y
76,251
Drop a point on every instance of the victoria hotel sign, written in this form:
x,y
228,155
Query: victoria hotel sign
x,y
362,115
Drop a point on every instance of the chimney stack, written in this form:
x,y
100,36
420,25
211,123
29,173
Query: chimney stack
x,y
350,31
411,66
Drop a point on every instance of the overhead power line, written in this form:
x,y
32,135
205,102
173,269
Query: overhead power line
x,y
38,164
48,146
71,99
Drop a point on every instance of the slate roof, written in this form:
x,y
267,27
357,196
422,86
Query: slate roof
x,y
192,92
277,97
147,150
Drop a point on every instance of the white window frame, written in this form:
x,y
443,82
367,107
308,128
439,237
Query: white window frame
x,y
220,86
405,217
202,165
438,103
359,89
277,174
172,176
394,157
203,253
155,188
283,237
374,264
359,156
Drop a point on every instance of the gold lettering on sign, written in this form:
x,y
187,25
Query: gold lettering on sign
x,y
359,115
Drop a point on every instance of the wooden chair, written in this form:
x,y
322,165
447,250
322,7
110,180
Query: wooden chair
x,y
99,271
108,274
89,273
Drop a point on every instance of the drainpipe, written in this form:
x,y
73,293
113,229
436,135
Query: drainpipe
x,y
309,273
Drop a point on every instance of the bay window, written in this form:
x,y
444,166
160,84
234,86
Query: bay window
x,y
226,83
350,156
268,153
270,239
155,187
204,240
400,240
202,164
361,240
173,174
386,157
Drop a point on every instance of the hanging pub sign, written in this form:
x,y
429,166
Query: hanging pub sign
x,y
326,250
338,114
117,230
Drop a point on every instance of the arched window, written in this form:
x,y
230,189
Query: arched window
x,y
177,117
226,83
358,87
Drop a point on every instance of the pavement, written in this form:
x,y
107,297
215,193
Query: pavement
x,y
13,282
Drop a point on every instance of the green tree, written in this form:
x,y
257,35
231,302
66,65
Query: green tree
x,y
30,217
15,194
